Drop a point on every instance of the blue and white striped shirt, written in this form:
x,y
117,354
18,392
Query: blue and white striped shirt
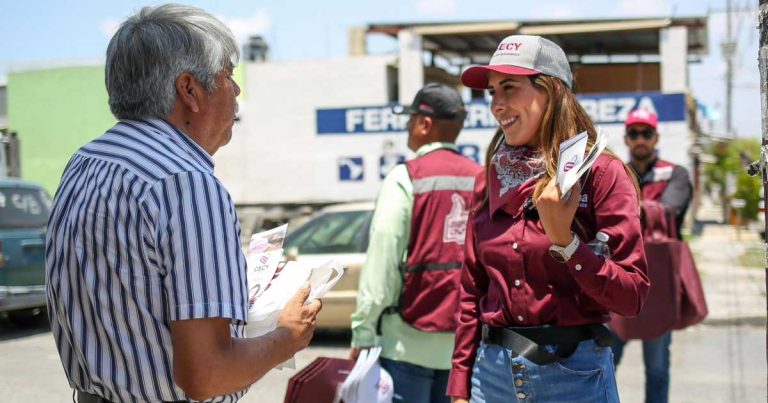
x,y
140,234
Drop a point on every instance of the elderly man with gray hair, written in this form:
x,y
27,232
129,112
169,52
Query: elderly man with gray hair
x,y
146,284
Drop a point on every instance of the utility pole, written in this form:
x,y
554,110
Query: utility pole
x,y
728,49
763,64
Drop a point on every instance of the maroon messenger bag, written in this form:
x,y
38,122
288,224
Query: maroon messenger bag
x,y
659,313
318,381
676,298
693,305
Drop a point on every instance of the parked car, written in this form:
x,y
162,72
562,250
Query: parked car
x,y
340,232
24,208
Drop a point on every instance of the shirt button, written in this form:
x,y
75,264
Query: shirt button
x,y
517,283
520,318
578,267
521,395
518,382
514,246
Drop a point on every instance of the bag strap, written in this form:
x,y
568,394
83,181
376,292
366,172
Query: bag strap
x,y
390,310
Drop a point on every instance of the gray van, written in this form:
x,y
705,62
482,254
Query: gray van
x,y
24,208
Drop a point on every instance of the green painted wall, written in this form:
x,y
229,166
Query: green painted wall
x,y
55,112
238,74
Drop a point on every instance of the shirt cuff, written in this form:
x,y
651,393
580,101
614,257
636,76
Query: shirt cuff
x,y
584,262
458,384
363,337
236,313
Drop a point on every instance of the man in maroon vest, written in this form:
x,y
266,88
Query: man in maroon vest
x,y
667,183
409,286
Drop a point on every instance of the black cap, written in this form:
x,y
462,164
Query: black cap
x,y
436,100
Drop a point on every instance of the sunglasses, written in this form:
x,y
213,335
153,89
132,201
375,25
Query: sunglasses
x,y
647,134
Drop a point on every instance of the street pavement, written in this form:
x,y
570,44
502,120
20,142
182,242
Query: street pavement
x,y
720,360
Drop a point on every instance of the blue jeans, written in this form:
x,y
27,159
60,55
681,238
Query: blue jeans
x,y
656,360
585,377
417,384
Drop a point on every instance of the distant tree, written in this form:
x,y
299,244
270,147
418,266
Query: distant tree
x,y
731,158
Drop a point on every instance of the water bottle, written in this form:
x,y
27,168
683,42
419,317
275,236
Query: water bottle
x,y
599,245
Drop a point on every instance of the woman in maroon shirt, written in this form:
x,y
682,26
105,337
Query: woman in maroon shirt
x,y
534,294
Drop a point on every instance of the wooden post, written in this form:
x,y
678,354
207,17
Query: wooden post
x,y
763,64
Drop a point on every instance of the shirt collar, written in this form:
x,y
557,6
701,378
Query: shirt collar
x,y
505,191
511,202
184,141
427,148
648,175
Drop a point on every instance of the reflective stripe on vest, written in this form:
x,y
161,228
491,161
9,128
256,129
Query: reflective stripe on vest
x,y
662,173
437,183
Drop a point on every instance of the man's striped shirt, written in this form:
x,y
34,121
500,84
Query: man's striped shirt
x,y
140,234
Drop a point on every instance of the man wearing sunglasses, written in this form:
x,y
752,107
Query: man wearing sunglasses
x,y
667,183
660,180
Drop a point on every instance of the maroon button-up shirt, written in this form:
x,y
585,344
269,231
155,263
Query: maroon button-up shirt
x,y
509,278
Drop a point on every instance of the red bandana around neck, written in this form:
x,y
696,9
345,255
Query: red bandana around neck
x,y
511,167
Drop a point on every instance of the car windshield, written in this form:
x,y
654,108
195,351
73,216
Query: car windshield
x,y
23,208
332,232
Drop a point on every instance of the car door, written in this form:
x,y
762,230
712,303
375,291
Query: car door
x,y
340,235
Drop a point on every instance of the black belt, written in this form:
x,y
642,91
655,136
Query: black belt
x,y
85,397
529,342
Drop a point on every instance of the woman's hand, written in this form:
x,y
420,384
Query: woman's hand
x,y
557,215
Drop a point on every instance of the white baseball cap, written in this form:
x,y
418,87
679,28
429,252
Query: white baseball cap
x,y
525,55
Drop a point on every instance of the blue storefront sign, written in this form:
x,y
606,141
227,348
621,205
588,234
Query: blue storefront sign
x,y
610,108
351,169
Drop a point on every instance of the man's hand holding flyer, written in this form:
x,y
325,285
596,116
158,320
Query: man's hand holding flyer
x,y
273,282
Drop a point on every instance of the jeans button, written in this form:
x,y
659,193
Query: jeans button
x,y
521,395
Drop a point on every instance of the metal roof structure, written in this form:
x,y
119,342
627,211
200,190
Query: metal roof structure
x,y
475,42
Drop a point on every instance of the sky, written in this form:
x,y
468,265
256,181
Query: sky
x,y
37,32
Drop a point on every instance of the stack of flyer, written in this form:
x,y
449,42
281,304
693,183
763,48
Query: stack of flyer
x,y
263,258
367,382
272,282
572,164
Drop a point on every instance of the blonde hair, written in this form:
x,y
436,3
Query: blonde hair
x,y
563,118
